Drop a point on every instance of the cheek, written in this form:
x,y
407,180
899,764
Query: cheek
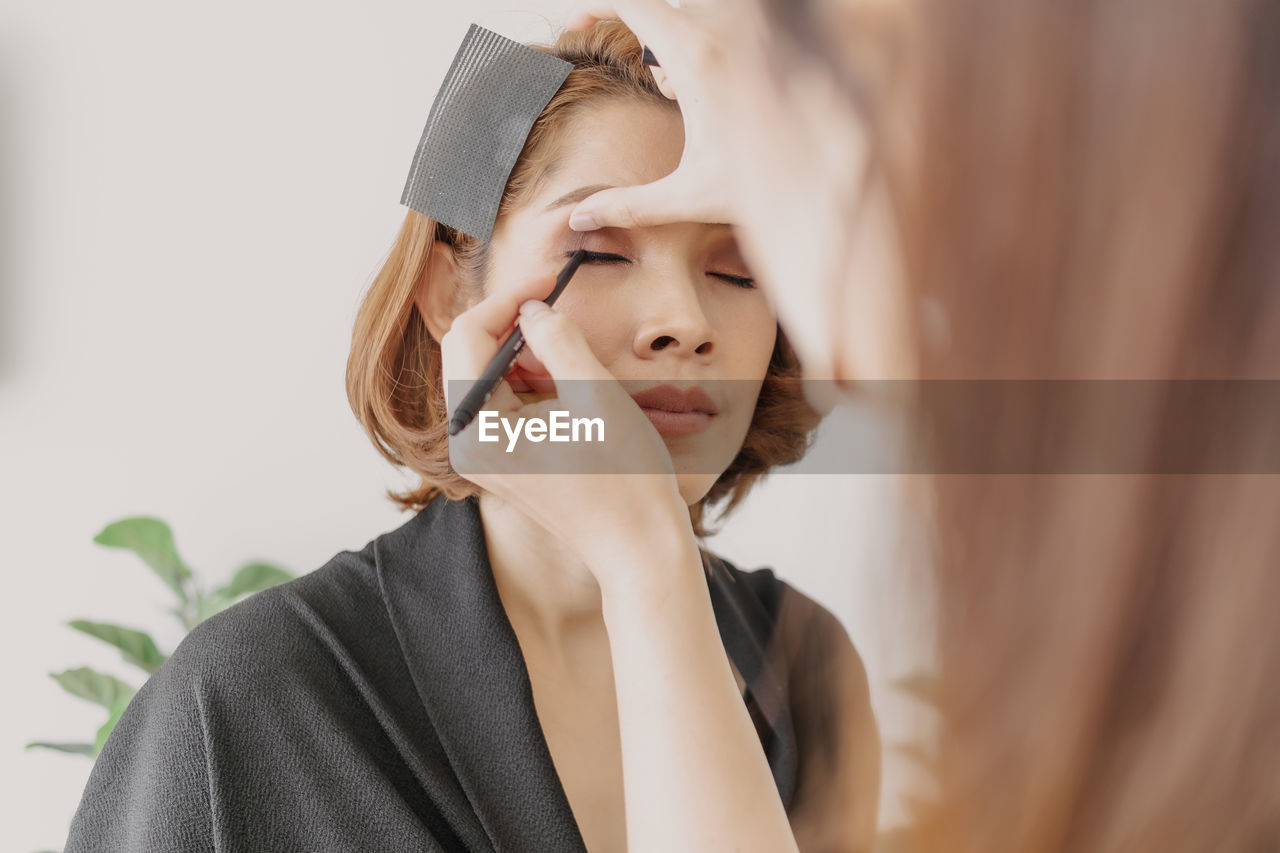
x,y
498,270
749,348
751,331
604,311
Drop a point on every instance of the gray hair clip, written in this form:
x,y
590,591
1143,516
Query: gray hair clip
x,y
494,92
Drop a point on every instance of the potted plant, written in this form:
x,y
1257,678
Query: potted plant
x,y
152,540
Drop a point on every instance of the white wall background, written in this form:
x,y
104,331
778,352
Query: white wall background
x,y
192,200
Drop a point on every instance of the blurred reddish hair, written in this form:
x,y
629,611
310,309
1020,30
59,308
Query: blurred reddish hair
x,y
1091,190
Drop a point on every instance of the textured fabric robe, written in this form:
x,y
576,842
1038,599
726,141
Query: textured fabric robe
x,y
379,703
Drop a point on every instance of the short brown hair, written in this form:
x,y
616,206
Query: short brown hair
x,y
393,371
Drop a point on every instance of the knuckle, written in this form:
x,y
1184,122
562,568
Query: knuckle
x,y
464,322
552,334
703,53
629,215
452,340
560,329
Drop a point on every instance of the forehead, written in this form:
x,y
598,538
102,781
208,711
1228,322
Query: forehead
x,y
614,142
607,143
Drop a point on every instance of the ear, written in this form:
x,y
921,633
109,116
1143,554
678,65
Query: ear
x,y
439,291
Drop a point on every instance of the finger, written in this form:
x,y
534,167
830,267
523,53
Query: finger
x,y
663,81
459,371
585,20
670,199
496,313
476,335
654,22
561,346
465,351
530,368
463,359
504,400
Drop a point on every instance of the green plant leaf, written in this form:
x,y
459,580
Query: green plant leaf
x,y
253,577
108,727
73,748
106,690
207,605
152,540
138,648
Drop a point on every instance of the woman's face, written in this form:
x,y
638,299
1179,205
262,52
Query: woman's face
x,y
672,305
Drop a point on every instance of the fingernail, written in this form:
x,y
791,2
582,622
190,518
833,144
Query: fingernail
x,y
584,221
532,307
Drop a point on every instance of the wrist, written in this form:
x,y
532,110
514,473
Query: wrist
x,y
648,571
641,519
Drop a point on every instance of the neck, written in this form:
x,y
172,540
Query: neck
x,y
549,594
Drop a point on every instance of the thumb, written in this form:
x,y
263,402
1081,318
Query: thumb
x,y
670,199
559,344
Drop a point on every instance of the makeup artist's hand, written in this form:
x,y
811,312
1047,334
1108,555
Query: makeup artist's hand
x,y
701,49
776,145
589,494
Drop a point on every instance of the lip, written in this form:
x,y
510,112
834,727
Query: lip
x,y
676,411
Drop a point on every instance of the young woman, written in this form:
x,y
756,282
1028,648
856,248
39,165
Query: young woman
x,y
532,663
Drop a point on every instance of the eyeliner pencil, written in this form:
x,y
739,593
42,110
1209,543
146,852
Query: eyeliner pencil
x,y
500,365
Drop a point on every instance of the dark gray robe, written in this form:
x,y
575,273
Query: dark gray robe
x,y
379,703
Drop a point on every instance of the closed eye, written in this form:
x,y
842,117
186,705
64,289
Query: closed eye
x,y
609,258
600,258
737,280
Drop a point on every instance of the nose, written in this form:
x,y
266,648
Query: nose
x,y
674,320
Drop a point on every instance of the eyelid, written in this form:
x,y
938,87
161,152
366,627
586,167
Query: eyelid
x,y
743,281
601,258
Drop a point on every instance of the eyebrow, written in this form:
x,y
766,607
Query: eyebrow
x,y
575,196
